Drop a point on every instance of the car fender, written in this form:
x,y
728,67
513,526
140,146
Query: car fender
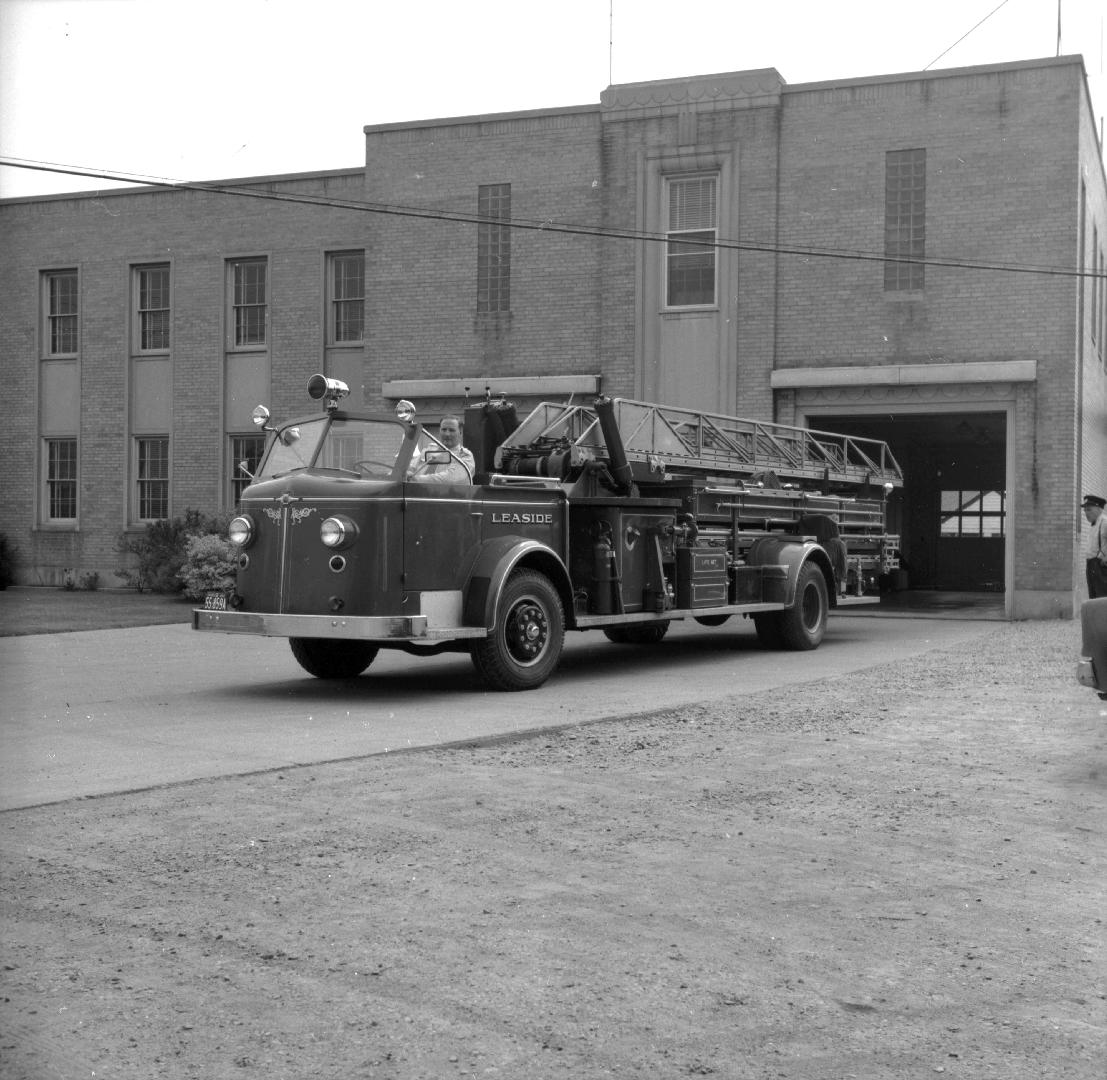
x,y
1092,670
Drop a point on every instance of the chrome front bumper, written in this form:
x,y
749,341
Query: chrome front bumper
x,y
266,624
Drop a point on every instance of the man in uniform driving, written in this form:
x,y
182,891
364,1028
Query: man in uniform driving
x,y
452,472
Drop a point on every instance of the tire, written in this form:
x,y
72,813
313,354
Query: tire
x,y
803,625
637,633
332,658
524,647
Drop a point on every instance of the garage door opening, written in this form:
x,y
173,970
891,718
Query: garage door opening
x,y
951,515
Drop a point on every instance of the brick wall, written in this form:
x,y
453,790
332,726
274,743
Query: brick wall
x,y
1007,148
103,237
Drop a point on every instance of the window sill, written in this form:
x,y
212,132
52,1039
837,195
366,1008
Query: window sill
x,y
677,313
56,527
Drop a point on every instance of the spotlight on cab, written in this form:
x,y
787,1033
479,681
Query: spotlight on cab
x,y
332,390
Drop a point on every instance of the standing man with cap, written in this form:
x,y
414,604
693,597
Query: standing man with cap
x,y
1095,551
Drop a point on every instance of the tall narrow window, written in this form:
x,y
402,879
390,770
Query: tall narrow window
x,y
249,307
246,452
152,475
690,247
61,313
61,479
494,248
347,289
152,301
904,218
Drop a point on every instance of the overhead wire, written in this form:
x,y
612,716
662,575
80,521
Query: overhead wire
x,y
250,190
1003,3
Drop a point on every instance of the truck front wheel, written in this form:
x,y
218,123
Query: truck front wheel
x,y
332,658
524,647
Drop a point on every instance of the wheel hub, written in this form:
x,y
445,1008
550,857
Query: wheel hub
x,y
527,632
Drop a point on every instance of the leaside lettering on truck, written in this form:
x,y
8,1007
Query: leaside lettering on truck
x,y
513,518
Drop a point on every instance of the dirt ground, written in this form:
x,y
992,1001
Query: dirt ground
x,y
892,874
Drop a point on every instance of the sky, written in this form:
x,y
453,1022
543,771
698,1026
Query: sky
x,y
221,89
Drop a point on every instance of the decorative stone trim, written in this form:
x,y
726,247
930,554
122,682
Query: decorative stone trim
x,y
542,385
1001,371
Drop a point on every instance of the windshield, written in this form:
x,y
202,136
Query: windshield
x,y
365,447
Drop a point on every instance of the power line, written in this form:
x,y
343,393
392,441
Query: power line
x,y
967,32
549,225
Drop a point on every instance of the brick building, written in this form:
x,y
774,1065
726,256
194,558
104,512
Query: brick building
x,y
917,257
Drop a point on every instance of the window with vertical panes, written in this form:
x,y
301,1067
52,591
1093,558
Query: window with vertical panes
x,y
153,314
246,452
249,301
61,479
347,289
61,313
152,478
690,257
494,248
904,219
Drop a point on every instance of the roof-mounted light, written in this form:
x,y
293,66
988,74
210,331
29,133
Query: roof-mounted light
x,y
330,390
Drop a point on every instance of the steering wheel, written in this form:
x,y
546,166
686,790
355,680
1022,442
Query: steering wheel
x,y
371,467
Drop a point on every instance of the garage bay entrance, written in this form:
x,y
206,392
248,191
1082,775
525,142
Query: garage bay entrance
x,y
952,514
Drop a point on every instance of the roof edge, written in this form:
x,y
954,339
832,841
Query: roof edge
x,y
185,185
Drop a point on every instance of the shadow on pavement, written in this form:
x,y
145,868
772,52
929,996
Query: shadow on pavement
x,y
928,604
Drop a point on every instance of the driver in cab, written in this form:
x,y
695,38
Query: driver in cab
x,y
444,472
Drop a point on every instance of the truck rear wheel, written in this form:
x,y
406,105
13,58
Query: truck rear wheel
x,y
332,658
524,647
637,633
803,625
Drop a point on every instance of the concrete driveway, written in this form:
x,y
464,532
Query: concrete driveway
x,y
94,712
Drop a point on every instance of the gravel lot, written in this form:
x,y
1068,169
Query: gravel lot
x,y
896,873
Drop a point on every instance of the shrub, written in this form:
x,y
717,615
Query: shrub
x,y
159,552
209,565
8,558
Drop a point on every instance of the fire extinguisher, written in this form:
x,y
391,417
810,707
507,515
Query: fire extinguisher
x,y
605,575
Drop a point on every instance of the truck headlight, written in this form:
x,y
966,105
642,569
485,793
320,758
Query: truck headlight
x,y
241,530
337,532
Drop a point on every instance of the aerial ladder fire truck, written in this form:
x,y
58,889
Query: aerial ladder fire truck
x,y
617,516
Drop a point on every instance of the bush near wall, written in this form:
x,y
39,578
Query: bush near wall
x,y
157,556
209,566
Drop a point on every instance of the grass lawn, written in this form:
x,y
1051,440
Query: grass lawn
x,y
29,610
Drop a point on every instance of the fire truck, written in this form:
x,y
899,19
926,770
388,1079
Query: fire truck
x,y
617,516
